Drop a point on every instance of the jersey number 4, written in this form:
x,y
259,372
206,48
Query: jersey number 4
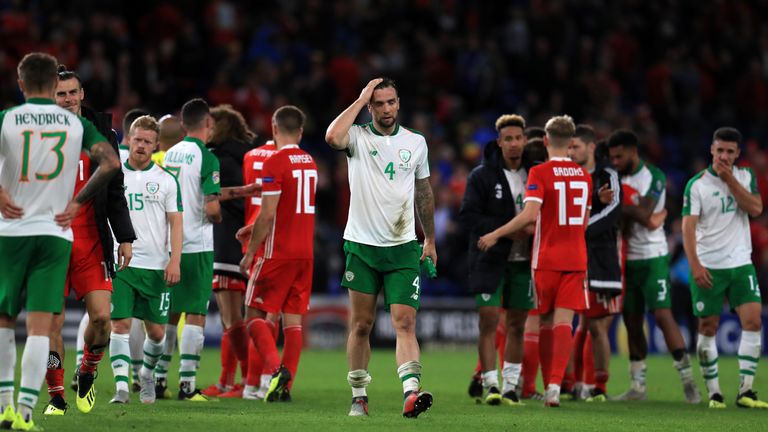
x,y
306,183
564,189
61,138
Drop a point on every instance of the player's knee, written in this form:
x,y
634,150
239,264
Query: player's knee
x,y
487,322
404,321
361,326
708,327
101,321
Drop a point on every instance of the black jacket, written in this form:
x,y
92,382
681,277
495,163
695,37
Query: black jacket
x,y
488,204
602,234
109,205
227,251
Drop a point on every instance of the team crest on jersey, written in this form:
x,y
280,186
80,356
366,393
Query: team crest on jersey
x,y
405,155
349,276
374,152
215,177
485,297
152,187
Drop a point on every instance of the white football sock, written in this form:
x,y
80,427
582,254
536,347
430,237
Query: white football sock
x,y
120,357
192,339
80,344
136,343
749,355
706,349
511,375
161,369
490,379
152,351
7,366
34,364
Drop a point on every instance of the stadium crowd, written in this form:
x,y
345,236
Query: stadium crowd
x,y
458,64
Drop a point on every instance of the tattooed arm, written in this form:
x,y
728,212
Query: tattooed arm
x,y
425,208
213,208
109,164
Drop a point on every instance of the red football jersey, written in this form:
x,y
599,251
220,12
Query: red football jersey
x,y
85,221
253,162
291,173
564,190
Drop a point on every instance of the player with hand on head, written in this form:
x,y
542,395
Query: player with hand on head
x,y
197,171
281,278
141,290
557,199
40,144
647,267
716,209
388,174
500,277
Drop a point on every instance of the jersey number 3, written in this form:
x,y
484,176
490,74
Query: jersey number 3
x,y
306,182
579,200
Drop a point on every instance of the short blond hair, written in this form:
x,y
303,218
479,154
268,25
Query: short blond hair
x,y
145,122
507,120
560,130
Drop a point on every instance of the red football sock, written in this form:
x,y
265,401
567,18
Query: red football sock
x,y
294,339
577,356
91,358
589,361
501,341
562,343
227,377
55,380
265,344
601,378
238,338
530,362
545,353
255,365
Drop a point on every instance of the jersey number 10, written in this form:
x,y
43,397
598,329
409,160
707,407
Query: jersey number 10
x,y
579,201
306,183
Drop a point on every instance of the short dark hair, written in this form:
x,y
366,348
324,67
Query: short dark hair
x,y
66,75
534,153
38,71
535,132
623,138
727,134
194,112
585,133
130,117
385,83
289,119
601,150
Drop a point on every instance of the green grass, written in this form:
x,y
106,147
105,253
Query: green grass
x,y
322,397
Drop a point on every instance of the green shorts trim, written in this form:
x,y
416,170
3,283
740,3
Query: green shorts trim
x,y
648,285
395,269
33,273
141,293
738,285
515,289
193,292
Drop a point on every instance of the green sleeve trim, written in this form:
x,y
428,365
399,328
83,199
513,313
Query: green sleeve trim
x,y
752,180
179,206
91,135
658,182
209,173
687,193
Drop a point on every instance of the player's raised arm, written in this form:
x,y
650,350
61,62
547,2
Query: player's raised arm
x,y
337,133
109,164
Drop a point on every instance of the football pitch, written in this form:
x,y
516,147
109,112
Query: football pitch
x,y
321,399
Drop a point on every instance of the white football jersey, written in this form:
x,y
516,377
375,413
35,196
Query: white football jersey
x,y
40,146
151,194
197,171
382,172
123,153
723,240
643,243
517,179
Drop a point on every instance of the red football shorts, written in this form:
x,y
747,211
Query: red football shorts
x,y
602,306
555,289
228,283
87,272
280,285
